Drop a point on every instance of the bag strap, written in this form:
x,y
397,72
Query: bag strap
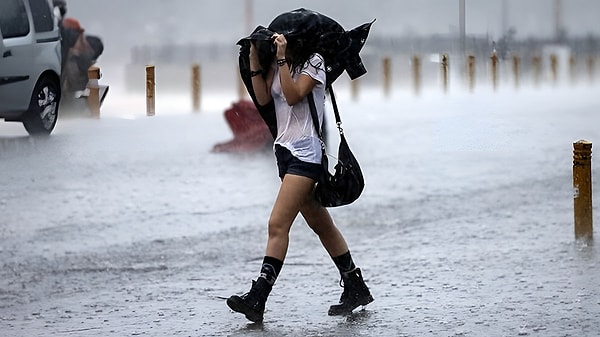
x,y
315,117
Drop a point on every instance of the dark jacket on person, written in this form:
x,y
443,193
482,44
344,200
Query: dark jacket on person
x,y
314,33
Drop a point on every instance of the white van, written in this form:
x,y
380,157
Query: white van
x,y
30,64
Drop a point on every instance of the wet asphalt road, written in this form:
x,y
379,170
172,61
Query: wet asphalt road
x,y
131,227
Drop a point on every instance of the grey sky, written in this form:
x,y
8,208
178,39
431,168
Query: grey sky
x,y
132,22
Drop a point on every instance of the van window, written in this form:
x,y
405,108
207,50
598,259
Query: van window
x,y
13,19
42,16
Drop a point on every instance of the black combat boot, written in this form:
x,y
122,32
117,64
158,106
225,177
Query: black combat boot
x,y
252,303
355,293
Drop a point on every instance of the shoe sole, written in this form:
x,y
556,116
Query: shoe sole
x,y
238,305
362,302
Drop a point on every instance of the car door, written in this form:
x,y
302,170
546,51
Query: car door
x,y
16,56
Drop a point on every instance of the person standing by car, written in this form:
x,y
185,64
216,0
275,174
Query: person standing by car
x,y
292,75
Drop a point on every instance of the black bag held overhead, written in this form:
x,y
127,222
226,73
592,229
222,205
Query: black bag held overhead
x,y
346,185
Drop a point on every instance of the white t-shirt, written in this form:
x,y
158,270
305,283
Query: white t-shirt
x,y
295,128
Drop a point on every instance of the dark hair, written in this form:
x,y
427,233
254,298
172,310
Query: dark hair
x,y
299,51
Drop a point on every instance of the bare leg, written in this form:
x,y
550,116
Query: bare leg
x,y
320,221
294,193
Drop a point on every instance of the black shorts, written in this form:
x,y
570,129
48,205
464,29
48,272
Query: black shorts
x,y
288,164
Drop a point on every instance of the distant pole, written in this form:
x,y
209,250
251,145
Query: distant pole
x,y
572,69
445,69
94,96
554,68
582,189
591,67
537,69
462,26
150,91
354,89
471,72
494,59
558,20
249,17
516,70
417,73
196,87
387,77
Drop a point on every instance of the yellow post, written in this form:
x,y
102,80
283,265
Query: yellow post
x,y
387,77
554,68
242,92
516,70
445,68
93,99
582,189
471,72
150,91
196,87
354,87
591,67
537,69
573,68
494,70
417,73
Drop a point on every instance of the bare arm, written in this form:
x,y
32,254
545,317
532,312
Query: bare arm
x,y
260,84
294,91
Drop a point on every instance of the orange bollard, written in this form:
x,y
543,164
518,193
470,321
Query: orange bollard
x,y
93,99
445,69
416,61
573,69
196,87
582,189
387,77
537,69
494,59
554,68
516,70
150,91
591,67
471,72
354,88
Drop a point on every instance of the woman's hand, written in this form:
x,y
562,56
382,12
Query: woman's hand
x,y
281,43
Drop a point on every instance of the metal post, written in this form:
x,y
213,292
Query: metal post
x,y
494,59
150,91
572,69
537,69
196,87
582,189
516,70
554,67
471,72
417,73
591,67
93,99
387,77
354,88
445,68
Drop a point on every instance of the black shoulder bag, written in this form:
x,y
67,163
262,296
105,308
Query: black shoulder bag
x,y
346,185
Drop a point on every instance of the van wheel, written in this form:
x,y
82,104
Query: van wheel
x,y
42,115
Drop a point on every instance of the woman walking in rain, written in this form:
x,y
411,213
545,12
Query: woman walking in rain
x,y
286,81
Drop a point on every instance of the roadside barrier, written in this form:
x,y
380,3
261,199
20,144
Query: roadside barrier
x,y
196,87
582,189
387,76
445,70
494,59
150,91
96,92
421,72
471,72
93,99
